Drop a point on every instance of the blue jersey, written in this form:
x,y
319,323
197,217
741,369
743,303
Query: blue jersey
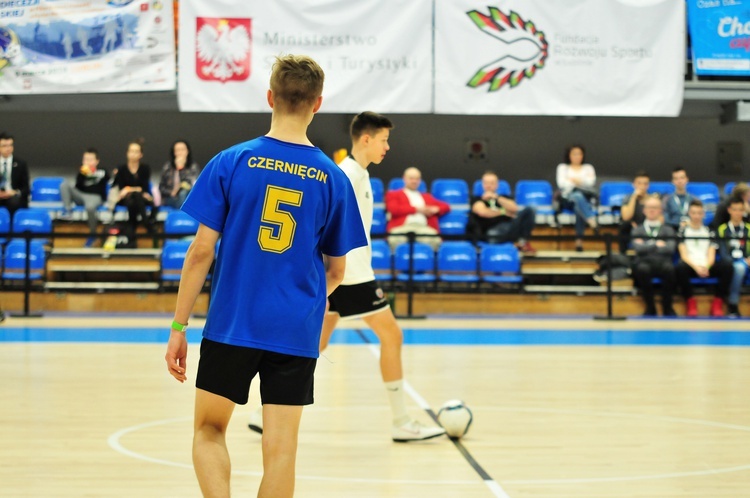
x,y
279,207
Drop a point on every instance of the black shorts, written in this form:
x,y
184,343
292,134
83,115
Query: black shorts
x,y
227,370
353,301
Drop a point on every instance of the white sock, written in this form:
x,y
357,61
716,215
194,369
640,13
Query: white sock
x,y
395,391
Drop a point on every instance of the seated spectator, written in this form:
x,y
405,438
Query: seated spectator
x,y
14,177
697,247
133,183
654,257
178,175
577,181
733,247
497,219
676,205
741,191
89,190
631,212
413,211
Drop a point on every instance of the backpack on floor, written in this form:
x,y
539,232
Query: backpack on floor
x,y
618,264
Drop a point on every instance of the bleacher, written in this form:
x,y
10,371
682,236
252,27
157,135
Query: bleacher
x,y
58,263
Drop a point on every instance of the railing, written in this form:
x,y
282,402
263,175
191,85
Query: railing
x,y
607,238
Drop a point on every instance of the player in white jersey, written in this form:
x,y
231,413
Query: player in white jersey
x,y
359,295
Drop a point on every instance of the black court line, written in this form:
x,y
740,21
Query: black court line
x,y
456,442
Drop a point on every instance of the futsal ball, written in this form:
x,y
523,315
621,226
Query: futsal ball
x,y
455,417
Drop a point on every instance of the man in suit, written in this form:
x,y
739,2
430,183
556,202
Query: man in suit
x,y
413,211
14,177
654,244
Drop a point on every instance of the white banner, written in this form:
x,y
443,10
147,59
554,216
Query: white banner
x,y
86,46
376,53
560,57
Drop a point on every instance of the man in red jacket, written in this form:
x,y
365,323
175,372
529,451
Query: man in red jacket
x,y
413,211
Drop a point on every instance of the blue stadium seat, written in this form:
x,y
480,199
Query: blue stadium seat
x,y
661,188
14,260
398,184
172,259
377,190
457,262
500,263
451,190
180,223
45,192
454,223
379,221
35,220
535,193
424,263
4,223
382,260
503,188
612,195
709,194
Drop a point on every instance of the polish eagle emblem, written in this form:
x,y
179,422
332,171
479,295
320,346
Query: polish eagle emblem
x,y
223,49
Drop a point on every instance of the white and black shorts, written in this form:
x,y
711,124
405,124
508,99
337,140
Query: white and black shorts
x,y
354,301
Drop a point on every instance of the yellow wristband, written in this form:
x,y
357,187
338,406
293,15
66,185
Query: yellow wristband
x,y
179,326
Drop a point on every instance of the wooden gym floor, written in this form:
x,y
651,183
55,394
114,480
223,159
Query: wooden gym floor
x,y
562,408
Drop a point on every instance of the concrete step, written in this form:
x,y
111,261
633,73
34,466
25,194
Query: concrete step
x,y
103,268
102,286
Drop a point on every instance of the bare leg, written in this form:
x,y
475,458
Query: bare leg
x,y
329,323
280,431
391,338
210,455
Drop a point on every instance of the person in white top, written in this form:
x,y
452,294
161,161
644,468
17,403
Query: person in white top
x,y
359,295
697,249
576,181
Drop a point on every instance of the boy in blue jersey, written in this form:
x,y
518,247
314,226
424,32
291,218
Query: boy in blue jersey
x,y
281,207
359,295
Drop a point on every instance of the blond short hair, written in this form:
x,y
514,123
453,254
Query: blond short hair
x,y
296,82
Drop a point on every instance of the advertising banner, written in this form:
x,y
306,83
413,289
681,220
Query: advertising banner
x,y
560,57
377,54
86,46
720,37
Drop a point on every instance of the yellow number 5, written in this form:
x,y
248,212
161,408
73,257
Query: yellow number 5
x,y
282,222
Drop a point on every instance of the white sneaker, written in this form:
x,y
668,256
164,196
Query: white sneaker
x,y
414,431
256,420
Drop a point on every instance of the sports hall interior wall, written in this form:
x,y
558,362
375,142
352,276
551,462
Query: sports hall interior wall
x,y
51,132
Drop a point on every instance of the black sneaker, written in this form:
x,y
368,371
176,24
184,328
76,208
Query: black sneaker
x,y
669,312
650,313
2,316
733,311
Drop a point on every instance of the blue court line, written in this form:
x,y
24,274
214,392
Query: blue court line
x,y
467,337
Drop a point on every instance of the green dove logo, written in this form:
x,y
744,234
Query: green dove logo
x,y
523,51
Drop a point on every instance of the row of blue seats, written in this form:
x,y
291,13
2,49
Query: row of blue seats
x,y
454,261
45,192
540,192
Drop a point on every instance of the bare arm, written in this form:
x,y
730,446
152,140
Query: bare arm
x,y
628,209
711,257
510,205
335,267
198,261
